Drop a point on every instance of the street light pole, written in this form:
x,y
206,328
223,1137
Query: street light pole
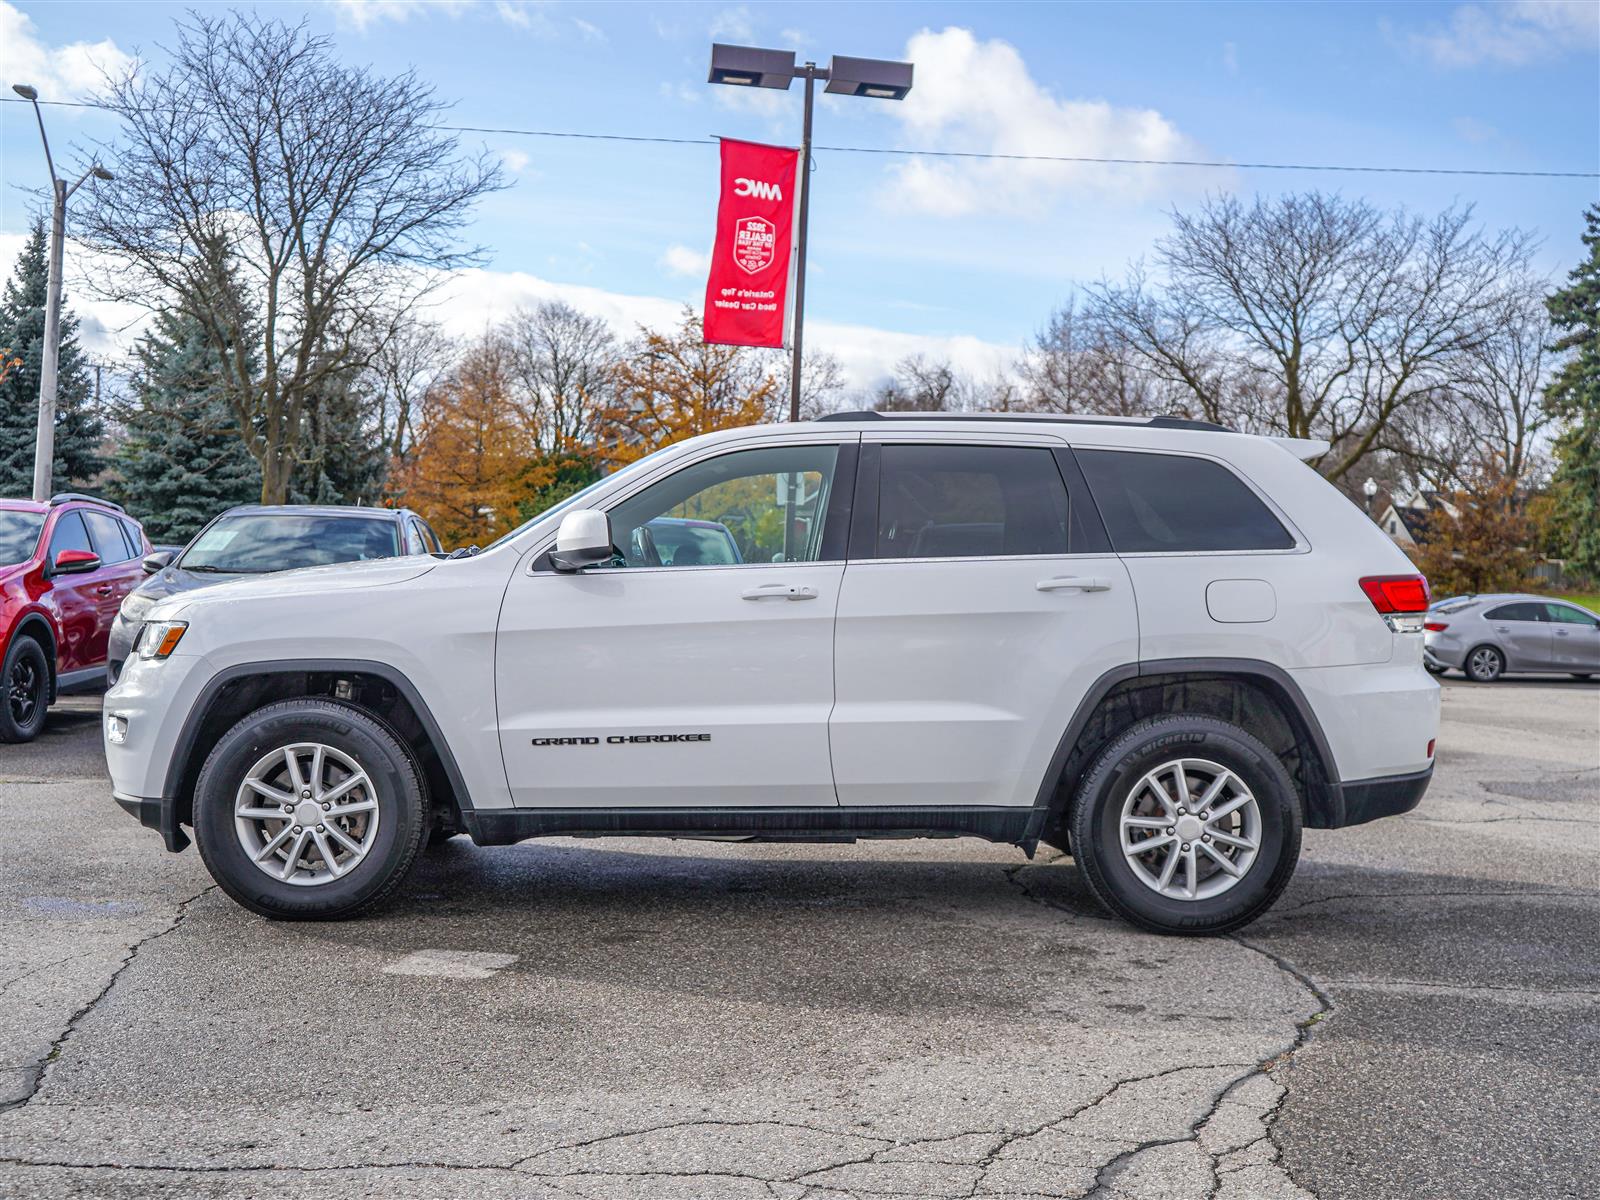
x,y
44,446
802,217
873,78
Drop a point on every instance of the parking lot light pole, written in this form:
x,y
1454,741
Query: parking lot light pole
x,y
874,78
44,446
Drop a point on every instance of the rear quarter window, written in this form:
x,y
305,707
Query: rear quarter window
x,y
1174,503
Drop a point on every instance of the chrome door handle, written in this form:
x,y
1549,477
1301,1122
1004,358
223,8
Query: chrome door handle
x,y
779,591
1074,583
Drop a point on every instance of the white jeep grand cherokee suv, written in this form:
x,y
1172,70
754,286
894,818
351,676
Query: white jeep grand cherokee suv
x,y
1157,644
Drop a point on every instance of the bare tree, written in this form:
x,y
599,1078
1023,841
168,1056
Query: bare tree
x,y
564,363
328,192
1076,364
822,385
921,384
408,356
1312,315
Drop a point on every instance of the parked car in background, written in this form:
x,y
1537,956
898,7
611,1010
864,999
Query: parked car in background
x,y
1485,637
65,567
255,539
680,542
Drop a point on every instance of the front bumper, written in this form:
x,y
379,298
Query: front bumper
x,y
160,814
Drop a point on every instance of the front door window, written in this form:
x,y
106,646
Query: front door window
x,y
751,506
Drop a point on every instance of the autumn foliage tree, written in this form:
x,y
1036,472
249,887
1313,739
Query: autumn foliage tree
x,y
1486,545
672,386
466,471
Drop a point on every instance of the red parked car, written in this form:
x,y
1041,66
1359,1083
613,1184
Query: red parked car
x,y
64,568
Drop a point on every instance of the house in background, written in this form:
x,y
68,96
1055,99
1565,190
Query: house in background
x,y
1406,519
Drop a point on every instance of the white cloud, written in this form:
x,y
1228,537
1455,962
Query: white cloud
x,y
590,31
515,161
733,24
681,260
59,72
468,302
979,97
1513,34
360,14
520,14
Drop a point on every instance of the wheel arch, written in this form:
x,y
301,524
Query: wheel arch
x,y
37,626
1255,695
376,688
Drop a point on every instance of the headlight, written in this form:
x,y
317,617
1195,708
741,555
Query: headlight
x,y
158,639
134,606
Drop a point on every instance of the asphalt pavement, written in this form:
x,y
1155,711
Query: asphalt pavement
x,y
1419,1016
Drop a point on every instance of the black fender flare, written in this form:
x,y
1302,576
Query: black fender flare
x,y
1324,811
165,816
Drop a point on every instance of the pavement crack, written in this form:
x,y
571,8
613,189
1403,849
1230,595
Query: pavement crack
x,y
41,1067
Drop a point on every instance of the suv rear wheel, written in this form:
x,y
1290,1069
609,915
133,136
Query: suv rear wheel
x,y
1186,824
24,690
309,809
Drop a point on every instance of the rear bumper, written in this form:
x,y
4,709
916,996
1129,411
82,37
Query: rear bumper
x,y
160,814
1387,796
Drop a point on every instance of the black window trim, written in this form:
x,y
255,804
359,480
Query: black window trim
x,y
869,479
836,523
1301,544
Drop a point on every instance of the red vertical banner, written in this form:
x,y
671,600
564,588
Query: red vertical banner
x,y
747,293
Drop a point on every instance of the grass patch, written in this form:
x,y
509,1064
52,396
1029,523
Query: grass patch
x,y
1589,600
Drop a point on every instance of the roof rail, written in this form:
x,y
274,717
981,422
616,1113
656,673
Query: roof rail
x,y
1063,418
64,497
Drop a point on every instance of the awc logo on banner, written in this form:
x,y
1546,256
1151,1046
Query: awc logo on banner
x,y
747,293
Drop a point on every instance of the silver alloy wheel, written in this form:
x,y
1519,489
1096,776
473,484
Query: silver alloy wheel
x,y
306,814
1484,664
1190,829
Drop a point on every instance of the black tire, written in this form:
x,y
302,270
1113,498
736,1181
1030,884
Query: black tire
x,y
1096,809
402,809
1484,664
1433,670
24,690
1583,675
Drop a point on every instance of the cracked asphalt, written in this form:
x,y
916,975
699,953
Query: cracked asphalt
x,y
1419,1016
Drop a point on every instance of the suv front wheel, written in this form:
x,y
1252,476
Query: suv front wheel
x,y
309,810
1186,824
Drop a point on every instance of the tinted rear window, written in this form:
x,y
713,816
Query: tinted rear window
x,y
970,502
1155,503
1517,612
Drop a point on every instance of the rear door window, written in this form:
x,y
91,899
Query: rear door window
x,y
1517,612
106,533
1175,503
970,502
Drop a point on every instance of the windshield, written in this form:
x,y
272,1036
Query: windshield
x,y
573,499
19,534
255,543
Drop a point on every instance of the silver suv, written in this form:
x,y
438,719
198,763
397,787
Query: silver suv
x,y
1159,644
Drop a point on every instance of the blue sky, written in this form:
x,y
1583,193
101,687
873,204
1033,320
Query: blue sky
x,y
953,257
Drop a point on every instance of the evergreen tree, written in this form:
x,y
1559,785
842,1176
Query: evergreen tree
x,y
1574,397
183,460
78,426
343,456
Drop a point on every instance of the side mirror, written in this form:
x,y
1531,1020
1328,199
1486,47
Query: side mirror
x,y
154,562
75,562
583,540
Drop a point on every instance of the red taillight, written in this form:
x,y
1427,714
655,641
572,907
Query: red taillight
x,y
1430,746
1435,626
1397,593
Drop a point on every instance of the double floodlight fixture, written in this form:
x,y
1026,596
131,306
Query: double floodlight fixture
x,y
749,66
